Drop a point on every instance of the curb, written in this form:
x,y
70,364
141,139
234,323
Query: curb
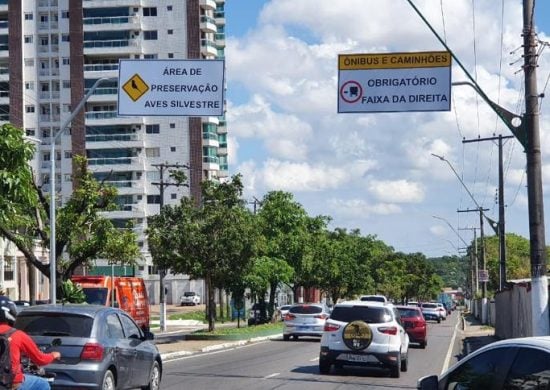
x,y
179,354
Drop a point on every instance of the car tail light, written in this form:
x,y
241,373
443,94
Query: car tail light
x,y
391,330
289,317
329,327
92,351
323,316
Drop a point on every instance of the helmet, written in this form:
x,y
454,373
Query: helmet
x,y
8,312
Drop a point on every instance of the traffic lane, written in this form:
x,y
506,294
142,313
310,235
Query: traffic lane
x,y
294,365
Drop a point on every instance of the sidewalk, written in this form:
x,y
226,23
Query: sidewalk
x,y
475,335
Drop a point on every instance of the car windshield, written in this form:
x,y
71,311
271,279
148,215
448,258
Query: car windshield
x,y
55,324
429,306
306,309
285,307
96,295
408,312
189,294
371,315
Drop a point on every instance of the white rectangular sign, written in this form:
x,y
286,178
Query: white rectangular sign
x,y
171,87
394,82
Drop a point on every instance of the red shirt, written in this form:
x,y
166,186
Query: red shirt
x,y
21,342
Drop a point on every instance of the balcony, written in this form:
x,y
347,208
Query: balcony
x,y
47,3
46,26
100,67
111,23
103,141
219,39
207,4
4,73
117,46
113,163
3,5
110,3
210,163
208,48
208,24
48,49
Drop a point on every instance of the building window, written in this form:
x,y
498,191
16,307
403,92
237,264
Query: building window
x,y
29,109
66,61
152,129
173,196
152,152
64,14
169,8
65,38
172,125
28,38
29,85
29,61
170,55
68,177
150,35
172,148
150,56
28,16
68,154
30,132
153,199
149,11
170,32
66,84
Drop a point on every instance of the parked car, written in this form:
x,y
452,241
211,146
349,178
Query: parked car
x,y
374,298
101,347
442,311
520,363
283,310
257,314
430,311
20,305
190,298
414,323
413,303
305,319
362,333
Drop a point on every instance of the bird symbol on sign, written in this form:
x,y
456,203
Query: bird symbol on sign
x,y
134,85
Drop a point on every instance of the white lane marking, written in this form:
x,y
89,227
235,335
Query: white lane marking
x,y
194,355
314,360
271,375
450,350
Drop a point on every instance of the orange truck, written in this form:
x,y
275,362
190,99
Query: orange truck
x,y
126,293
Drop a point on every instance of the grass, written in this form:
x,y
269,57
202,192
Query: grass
x,y
238,333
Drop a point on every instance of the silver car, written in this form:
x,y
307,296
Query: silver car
x,y
305,319
101,347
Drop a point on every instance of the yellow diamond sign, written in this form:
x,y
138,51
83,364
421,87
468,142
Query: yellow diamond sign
x,y
135,87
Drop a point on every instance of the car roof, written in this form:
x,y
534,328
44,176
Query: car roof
x,y
406,307
73,308
363,303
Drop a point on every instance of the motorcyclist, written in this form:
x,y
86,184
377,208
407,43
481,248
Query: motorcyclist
x,y
20,342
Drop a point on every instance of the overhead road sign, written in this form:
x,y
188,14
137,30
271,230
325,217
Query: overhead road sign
x,y
171,88
394,82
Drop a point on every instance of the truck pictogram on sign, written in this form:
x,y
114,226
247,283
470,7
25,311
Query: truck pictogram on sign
x,y
135,87
351,91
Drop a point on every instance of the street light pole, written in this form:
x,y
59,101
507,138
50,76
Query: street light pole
x,y
53,139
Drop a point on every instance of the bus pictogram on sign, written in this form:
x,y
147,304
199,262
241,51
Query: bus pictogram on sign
x,y
135,87
351,92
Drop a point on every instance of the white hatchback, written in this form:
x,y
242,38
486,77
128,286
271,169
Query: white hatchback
x,y
363,333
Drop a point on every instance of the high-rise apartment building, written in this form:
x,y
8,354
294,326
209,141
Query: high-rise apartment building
x,y
53,51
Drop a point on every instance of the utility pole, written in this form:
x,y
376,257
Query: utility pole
x,y
162,269
501,228
481,255
474,263
539,281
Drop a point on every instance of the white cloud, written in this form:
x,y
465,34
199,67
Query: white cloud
x,y
439,230
358,208
397,191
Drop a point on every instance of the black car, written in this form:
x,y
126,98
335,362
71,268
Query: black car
x,y
101,347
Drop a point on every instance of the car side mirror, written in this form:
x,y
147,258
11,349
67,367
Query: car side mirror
x,y
147,335
428,383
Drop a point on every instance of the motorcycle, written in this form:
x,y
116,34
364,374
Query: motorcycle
x,y
33,369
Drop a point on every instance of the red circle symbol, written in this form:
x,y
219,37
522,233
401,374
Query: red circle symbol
x,y
351,91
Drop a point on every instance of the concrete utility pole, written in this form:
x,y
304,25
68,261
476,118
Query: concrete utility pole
x,y
539,281
474,263
501,228
162,270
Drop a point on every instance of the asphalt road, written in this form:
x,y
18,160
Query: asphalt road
x,y
277,364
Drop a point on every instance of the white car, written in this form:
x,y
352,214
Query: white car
x,y
190,298
442,311
374,298
364,333
431,311
283,310
305,319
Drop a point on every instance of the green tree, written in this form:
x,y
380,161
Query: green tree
x,y
214,241
83,233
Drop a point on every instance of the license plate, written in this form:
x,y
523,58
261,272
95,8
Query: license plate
x,y
357,358
304,327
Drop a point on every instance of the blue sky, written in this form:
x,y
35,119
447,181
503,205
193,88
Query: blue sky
x,y
376,172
